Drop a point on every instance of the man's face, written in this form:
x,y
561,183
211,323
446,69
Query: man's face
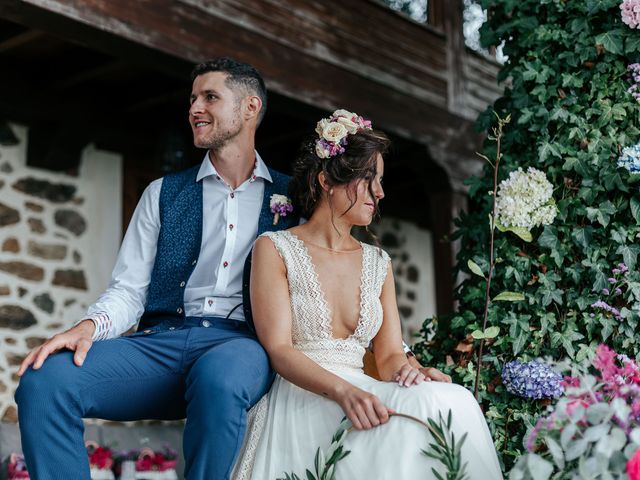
x,y
215,112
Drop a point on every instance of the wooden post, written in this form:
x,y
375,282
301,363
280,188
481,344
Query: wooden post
x,y
445,206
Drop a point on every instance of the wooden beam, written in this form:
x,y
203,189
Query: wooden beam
x,y
87,75
19,40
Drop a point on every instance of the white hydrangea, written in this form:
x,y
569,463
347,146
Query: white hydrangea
x,y
525,200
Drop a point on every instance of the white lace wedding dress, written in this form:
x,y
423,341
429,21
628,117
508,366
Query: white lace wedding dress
x,y
287,426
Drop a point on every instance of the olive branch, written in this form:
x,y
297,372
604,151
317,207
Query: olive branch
x,y
444,448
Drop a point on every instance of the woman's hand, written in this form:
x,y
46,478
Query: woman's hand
x,y
432,373
364,409
408,375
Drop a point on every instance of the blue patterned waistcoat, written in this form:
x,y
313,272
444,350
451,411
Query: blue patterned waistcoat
x,y
179,242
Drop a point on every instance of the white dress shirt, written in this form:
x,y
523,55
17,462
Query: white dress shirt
x,y
229,228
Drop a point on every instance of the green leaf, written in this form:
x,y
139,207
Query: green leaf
x,y
629,255
477,334
539,468
509,297
611,41
473,266
491,332
582,236
635,209
632,44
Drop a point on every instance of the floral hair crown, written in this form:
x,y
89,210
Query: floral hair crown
x,y
333,132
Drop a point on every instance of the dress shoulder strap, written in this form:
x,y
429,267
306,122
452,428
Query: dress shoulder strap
x,y
376,264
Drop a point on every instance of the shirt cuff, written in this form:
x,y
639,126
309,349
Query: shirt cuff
x,y
103,325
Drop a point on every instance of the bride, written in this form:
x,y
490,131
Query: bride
x,y
329,297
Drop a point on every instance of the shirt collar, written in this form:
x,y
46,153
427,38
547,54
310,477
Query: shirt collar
x,y
260,171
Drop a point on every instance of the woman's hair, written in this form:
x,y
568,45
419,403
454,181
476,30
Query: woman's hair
x,y
359,161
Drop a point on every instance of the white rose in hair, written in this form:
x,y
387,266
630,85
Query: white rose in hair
x,y
344,113
321,151
320,126
334,132
351,127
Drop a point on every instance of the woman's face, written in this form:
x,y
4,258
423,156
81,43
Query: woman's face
x,y
365,206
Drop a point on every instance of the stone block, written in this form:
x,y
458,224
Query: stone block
x,y
8,215
44,302
70,279
11,245
70,220
34,207
54,192
25,270
46,250
33,342
16,317
36,225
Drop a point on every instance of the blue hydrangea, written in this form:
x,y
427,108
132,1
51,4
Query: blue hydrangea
x,y
630,159
532,380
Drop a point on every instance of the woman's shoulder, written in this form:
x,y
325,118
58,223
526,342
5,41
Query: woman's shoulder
x,y
375,251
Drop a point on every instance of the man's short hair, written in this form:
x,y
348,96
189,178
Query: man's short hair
x,y
239,75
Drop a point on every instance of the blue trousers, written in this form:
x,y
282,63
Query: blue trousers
x,y
210,371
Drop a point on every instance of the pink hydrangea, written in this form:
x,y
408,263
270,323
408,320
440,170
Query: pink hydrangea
x,y
630,10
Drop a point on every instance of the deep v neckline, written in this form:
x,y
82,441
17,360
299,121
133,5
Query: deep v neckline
x,y
320,291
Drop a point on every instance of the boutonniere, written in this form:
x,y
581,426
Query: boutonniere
x,y
280,206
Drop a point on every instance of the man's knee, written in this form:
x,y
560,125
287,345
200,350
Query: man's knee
x,y
229,378
54,380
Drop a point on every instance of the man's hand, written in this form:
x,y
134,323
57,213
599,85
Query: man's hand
x,y
77,339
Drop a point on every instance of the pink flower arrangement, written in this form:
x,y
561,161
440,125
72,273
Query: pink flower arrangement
x,y
99,457
596,422
17,468
630,11
333,131
633,466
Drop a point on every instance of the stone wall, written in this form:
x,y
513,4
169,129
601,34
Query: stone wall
x,y
411,251
59,235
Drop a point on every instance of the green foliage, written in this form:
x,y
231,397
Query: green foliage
x,y
446,450
571,115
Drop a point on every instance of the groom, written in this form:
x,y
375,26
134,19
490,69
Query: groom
x,y
179,271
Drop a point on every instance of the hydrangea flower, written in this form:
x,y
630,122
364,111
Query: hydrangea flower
x,y
634,74
533,380
525,199
630,12
630,159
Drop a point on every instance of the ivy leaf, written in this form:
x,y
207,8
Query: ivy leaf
x,y
473,266
611,41
632,44
629,255
491,332
477,334
520,341
509,297
521,232
635,209
582,236
547,149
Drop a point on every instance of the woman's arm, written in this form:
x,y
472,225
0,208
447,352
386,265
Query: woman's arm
x,y
271,306
390,358
391,361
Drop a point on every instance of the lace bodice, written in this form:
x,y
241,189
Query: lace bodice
x,y
311,330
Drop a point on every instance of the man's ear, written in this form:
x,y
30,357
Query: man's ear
x,y
252,107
